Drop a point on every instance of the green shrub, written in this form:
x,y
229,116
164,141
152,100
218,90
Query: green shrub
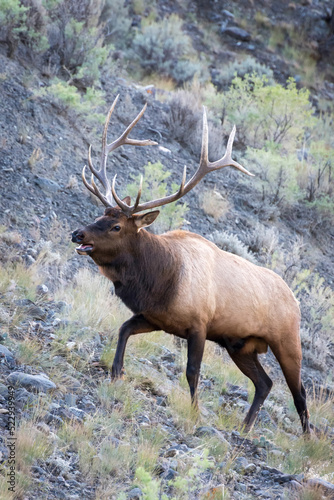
x,y
162,47
76,40
115,15
68,97
20,23
155,186
241,69
291,149
278,173
268,114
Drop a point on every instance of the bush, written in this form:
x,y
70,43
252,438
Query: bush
x,y
76,41
115,15
66,33
231,243
291,148
22,23
155,186
68,98
162,47
317,308
268,114
248,66
184,119
214,204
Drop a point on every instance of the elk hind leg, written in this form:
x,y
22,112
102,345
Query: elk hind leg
x,y
196,342
250,366
290,360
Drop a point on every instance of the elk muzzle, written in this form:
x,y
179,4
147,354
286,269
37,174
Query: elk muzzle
x,y
85,248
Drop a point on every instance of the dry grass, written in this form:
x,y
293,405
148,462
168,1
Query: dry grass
x,y
92,302
214,204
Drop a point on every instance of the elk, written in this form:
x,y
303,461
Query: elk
x,y
183,284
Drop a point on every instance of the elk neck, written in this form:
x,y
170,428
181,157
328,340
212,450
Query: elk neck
x,y
145,274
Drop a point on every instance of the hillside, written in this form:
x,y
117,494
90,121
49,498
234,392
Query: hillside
x,y
266,67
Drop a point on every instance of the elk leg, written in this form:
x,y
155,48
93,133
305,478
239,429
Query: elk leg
x,y
134,325
290,363
250,366
196,342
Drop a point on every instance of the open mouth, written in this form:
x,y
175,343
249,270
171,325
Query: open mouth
x,y
84,249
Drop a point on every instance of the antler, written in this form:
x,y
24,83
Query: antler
x,y
101,174
205,166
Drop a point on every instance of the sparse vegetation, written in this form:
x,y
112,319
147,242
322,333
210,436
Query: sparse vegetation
x,y
163,47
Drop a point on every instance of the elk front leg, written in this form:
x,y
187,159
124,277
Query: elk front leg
x,y
196,342
136,324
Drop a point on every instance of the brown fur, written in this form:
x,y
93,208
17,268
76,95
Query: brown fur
x,y
183,284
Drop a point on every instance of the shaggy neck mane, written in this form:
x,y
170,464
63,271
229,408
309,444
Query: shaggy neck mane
x,y
146,276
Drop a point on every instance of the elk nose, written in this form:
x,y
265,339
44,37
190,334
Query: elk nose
x,y
77,236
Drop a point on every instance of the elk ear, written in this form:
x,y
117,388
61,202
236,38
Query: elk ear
x,y
145,219
127,200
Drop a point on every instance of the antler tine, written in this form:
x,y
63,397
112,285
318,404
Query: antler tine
x,y
226,160
139,192
123,139
125,208
205,142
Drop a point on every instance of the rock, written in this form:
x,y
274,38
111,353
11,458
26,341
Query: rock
x,y
228,14
168,356
211,431
87,404
321,484
80,414
31,309
70,399
29,260
135,494
50,418
241,487
9,357
237,392
47,185
39,383
170,474
42,290
23,398
161,401
250,468
240,464
283,478
143,419
205,431
237,33
3,390
38,470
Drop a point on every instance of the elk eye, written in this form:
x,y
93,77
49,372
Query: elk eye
x,y
116,228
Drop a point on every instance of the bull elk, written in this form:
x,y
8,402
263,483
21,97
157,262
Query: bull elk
x,y
183,284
